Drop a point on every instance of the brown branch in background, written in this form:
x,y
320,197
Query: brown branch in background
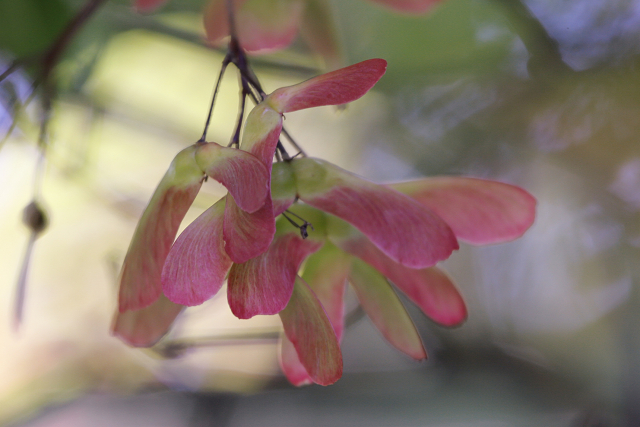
x,y
53,54
178,347
52,57
34,215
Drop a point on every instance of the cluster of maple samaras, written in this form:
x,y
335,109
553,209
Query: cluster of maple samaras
x,y
268,25
362,233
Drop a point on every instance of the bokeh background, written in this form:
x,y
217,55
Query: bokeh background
x,y
544,94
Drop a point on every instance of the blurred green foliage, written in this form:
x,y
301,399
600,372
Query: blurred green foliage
x,y
27,27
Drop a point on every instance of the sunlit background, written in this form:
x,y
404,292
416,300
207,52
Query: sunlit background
x,y
544,94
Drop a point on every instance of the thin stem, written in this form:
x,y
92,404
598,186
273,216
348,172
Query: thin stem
x,y
241,61
33,217
225,62
294,143
303,228
295,224
235,140
248,77
254,98
299,217
21,287
248,74
283,151
45,114
245,70
239,56
43,137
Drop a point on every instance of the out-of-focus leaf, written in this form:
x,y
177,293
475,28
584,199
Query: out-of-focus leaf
x,y
458,35
28,27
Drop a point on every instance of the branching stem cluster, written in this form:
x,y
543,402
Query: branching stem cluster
x,y
249,86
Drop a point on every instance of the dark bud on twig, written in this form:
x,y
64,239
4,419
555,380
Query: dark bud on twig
x,y
34,217
303,229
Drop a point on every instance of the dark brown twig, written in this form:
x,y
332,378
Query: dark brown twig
x,y
225,63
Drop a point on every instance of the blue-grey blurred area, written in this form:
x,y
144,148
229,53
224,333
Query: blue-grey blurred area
x,y
544,94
